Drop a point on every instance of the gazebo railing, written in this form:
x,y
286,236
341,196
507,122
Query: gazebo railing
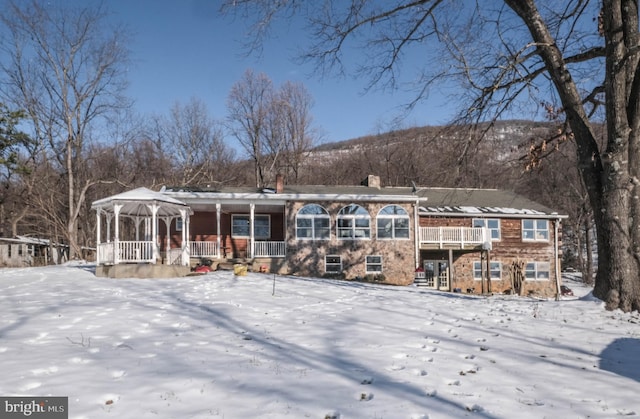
x,y
128,251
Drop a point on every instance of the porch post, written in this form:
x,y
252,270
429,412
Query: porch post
x,y
98,217
219,239
416,234
116,239
252,239
185,237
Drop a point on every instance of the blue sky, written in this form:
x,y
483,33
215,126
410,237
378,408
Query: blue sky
x,y
184,49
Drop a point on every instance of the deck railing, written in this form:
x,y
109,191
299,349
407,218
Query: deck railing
x,y
463,236
269,249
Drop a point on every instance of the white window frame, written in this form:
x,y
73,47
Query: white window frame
x,y
494,267
356,220
534,270
391,221
314,218
539,233
179,224
337,264
248,217
484,222
369,263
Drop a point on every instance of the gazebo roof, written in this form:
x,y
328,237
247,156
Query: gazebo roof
x,y
138,203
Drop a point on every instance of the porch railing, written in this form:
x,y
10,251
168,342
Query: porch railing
x,y
269,249
463,236
204,249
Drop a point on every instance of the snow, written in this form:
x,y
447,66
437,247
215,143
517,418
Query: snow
x,y
225,346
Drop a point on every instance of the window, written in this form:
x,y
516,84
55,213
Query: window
x,y
261,226
492,224
354,223
537,271
393,223
333,264
536,230
179,224
374,264
312,222
495,270
9,250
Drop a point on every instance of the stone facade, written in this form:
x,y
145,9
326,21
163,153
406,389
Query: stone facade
x,y
308,257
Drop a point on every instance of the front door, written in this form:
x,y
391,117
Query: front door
x,y
437,274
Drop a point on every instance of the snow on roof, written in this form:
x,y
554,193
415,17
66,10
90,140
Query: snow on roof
x,y
135,203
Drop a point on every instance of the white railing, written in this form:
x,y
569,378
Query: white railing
x,y
135,251
463,236
174,257
106,253
204,249
269,249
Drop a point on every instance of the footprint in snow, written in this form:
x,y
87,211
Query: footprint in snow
x,y
419,373
367,381
365,397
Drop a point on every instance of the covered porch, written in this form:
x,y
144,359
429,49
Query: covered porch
x,y
238,230
129,245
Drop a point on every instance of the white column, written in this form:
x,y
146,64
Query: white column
x,y
185,237
252,239
219,239
116,239
98,217
154,232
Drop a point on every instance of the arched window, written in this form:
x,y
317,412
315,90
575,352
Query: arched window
x,y
313,223
393,223
354,223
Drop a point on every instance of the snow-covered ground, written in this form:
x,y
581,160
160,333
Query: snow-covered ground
x,y
225,346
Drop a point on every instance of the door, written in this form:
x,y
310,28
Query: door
x,y
437,274
443,276
430,273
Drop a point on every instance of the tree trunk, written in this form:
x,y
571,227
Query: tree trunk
x,y
605,174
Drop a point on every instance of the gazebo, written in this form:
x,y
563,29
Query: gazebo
x,y
130,246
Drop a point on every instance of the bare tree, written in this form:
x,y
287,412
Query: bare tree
x,y
194,142
513,57
298,132
248,104
65,67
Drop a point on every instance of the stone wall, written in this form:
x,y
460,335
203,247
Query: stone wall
x,y
307,257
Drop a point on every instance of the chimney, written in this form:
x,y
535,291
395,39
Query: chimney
x,y
279,183
371,181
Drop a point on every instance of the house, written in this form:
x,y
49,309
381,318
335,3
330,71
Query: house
x,y
22,251
461,240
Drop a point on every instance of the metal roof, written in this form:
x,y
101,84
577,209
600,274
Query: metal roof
x,y
431,201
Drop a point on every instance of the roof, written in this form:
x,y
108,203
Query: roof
x,y
431,201
481,203
137,202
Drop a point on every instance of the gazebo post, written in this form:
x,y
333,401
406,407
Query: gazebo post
x,y
185,238
154,232
116,240
98,218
